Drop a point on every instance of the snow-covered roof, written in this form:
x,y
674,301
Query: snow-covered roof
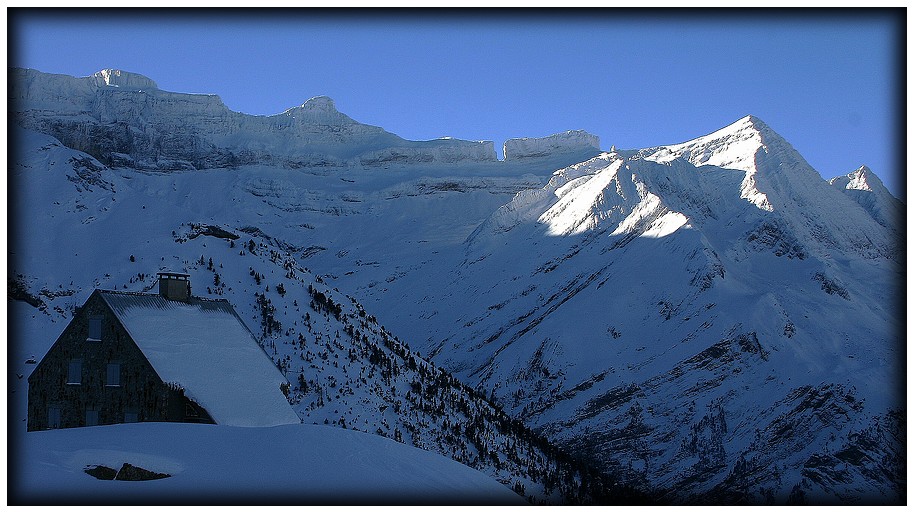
x,y
205,348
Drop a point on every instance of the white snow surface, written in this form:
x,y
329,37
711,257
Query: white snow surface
x,y
204,348
213,464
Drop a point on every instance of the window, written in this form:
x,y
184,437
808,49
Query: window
x,y
75,372
53,417
113,376
131,416
91,417
95,328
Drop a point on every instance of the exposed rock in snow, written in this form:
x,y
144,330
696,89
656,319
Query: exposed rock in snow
x,y
572,141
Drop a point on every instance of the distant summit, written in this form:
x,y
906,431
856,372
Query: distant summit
x,y
864,187
320,104
318,110
861,179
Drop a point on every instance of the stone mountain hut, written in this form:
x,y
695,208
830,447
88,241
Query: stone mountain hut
x,y
132,357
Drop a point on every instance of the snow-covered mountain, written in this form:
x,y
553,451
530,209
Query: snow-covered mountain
x,y
637,297
694,316
709,321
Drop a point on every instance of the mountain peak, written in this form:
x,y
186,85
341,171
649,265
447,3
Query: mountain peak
x,y
864,178
861,179
123,79
733,146
320,104
749,126
321,110
754,121
864,187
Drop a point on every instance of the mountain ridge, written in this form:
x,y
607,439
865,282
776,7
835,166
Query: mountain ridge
x,y
180,131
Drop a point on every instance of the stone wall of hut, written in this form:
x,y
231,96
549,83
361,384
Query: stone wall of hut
x,y
137,394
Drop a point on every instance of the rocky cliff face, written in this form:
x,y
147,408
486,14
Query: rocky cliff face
x,y
572,141
123,119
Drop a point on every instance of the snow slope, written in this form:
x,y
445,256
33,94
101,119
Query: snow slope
x,y
212,464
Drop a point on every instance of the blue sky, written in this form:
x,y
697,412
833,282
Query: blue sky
x,y
830,82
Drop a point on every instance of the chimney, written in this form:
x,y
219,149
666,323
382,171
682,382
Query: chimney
x,y
174,286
